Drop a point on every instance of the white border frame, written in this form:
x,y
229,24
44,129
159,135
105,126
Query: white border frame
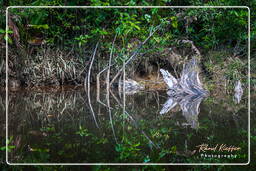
x,y
249,76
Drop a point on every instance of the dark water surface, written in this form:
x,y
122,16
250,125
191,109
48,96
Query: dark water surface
x,y
62,127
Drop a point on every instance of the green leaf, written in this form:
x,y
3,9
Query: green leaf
x,y
175,24
2,31
43,26
137,27
147,17
11,146
154,10
8,39
3,148
9,31
146,160
173,149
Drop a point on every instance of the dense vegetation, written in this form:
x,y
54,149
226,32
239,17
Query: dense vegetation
x,y
54,46
62,40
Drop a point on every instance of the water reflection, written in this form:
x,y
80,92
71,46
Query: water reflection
x,y
189,105
59,127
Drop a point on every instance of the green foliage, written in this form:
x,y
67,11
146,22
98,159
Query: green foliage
x,y
43,26
83,132
127,24
207,27
6,38
127,150
235,70
9,147
216,25
47,129
82,39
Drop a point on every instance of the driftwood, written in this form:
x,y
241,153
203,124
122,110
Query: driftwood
x,y
189,82
187,91
238,92
129,86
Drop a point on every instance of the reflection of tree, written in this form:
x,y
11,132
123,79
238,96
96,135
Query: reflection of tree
x,y
189,105
43,108
128,117
55,117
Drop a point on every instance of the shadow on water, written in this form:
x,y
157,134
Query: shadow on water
x,y
59,127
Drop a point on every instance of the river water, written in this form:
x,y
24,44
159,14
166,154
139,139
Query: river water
x,y
67,127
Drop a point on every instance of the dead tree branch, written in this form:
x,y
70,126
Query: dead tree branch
x,y
135,53
88,84
109,64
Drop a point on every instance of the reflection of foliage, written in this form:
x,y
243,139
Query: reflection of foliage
x,y
83,132
131,146
127,150
136,140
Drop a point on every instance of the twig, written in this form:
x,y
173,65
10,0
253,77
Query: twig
x,y
123,91
124,84
88,84
120,87
109,64
108,73
107,82
115,97
98,84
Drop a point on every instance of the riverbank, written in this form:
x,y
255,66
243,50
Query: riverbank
x,y
55,69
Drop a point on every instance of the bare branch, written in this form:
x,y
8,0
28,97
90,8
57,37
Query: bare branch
x,y
88,84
